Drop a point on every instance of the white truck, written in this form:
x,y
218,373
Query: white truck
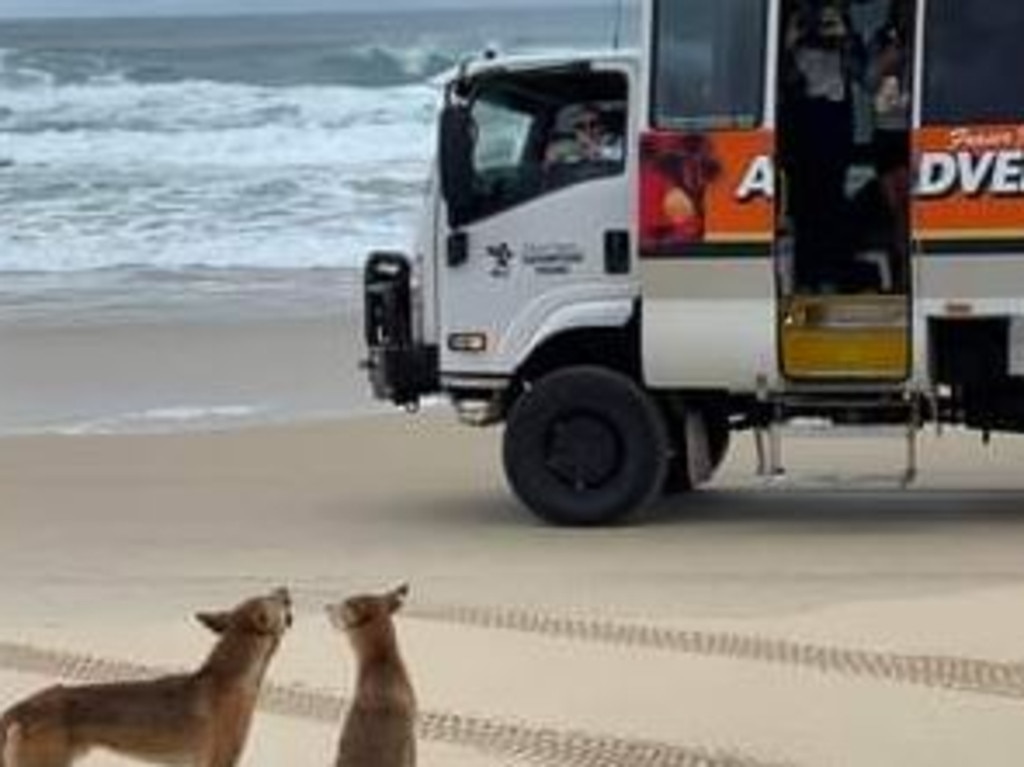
x,y
754,243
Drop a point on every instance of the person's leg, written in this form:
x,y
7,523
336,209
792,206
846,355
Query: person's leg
x,y
896,187
892,157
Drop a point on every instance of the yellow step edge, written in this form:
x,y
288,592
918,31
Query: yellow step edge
x,y
845,352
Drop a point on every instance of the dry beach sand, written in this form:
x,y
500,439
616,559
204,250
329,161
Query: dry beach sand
x,y
746,625
764,625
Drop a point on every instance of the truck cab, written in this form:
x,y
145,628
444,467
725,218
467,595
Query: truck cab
x,y
524,245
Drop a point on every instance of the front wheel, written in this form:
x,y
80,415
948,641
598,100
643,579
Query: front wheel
x,y
585,446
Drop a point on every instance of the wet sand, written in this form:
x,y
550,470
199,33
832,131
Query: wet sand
x,y
192,370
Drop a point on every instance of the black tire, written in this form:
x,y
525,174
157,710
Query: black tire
x,y
585,446
677,480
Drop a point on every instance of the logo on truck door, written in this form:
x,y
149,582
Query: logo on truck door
x,y
547,259
501,256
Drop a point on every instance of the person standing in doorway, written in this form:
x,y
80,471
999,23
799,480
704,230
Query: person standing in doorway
x,y
890,57
823,61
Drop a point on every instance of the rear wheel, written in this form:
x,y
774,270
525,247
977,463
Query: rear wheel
x,y
585,446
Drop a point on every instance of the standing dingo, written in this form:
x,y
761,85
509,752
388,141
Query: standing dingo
x,y
199,719
380,727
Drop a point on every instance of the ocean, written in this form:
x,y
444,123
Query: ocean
x,y
185,203
173,157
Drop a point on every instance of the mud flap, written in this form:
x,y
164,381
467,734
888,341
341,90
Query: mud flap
x,y
698,450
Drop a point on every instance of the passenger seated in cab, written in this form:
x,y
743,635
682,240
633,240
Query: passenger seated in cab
x,y
584,134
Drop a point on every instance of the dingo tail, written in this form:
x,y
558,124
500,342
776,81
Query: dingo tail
x,y
10,737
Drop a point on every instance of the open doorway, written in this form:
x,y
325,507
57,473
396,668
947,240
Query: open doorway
x,y
843,238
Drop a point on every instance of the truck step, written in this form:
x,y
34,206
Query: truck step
x,y
836,480
858,418
827,430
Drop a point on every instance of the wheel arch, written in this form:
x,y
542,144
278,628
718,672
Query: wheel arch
x,y
615,346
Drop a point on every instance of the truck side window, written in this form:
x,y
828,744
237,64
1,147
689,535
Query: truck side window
x,y
536,133
973,57
502,133
504,155
709,64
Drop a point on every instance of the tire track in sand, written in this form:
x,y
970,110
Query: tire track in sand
x,y
515,740
947,672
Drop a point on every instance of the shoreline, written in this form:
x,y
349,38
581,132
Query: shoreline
x,y
150,370
156,295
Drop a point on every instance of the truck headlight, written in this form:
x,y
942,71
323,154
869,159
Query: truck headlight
x,y
472,343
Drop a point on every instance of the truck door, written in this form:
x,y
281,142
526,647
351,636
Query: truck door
x,y
540,231
845,93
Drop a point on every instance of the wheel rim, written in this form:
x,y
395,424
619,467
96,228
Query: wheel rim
x,y
583,450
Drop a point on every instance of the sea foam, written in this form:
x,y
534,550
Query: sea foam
x,y
192,173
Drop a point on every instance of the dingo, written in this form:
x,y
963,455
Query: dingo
x,y
380,727
199,719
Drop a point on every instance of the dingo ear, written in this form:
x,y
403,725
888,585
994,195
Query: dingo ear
x,y
397,597
217,622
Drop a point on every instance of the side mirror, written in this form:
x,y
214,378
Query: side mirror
x,y
456,162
